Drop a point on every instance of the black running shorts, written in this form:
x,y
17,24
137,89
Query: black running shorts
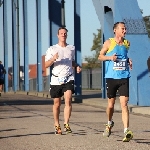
x,y
57,91
1,81
122,85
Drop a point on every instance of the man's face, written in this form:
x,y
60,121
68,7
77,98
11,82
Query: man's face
x,y
120,30
62,35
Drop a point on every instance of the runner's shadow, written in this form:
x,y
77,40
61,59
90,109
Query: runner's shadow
x,y
14,136
146,131
85,132
79,132
143,141
26,102
8,130
140,141
148,143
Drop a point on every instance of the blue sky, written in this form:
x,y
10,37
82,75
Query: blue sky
x,y
89,25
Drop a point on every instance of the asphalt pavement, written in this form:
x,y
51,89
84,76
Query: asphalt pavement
x,y
26,123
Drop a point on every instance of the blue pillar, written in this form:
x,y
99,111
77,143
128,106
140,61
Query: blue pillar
x,y
26,46
14,46
103,74
39,47
108,15
113,11
54,21
5,27
77,43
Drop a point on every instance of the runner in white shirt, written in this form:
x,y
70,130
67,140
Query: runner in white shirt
x,y
62,79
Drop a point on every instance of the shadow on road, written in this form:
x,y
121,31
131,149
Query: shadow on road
x,y
26,102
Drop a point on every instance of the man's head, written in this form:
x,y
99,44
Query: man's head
x,y
62,34
0,62
119,29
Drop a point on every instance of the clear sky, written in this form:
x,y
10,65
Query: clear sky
x,y
89,25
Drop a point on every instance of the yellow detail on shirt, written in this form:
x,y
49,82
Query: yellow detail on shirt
x,y
113,44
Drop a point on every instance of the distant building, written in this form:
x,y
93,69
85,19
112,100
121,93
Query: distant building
x,y
32,70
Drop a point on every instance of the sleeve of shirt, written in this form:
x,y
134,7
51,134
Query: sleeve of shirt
x,y
49,54
73,53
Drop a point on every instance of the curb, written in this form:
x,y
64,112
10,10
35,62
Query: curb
x,y
99,102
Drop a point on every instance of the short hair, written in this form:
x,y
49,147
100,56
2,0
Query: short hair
x,y
62,28
116,24
0,61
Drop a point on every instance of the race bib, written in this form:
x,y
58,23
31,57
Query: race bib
x,y
120,64
62,80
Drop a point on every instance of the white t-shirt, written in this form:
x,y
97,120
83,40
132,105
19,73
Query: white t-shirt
x,y
62,65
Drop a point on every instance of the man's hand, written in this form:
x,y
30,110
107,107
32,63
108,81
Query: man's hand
x,y
113,57
130,64
51,61
78,69
56,56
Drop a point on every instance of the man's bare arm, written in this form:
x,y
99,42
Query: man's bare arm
x,y
103,51
51,61
76,66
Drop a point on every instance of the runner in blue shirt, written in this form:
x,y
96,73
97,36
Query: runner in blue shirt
x,y
2,72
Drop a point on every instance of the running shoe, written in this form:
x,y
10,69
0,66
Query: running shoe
x,y
107,131
67,128
128,135
58,130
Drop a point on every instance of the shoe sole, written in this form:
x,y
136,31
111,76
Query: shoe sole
x,y
68,132
128,137
109,133
106,135
58,134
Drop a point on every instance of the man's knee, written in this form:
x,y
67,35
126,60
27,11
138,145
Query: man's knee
x,y
68,102
57,102
110,106
124,106
111,103
68,97
124,102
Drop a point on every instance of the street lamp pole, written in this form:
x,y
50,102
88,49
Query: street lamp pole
x,y
63,13
1,2
18,44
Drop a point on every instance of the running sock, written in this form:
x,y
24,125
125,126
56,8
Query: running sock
x,y
110,122
125,129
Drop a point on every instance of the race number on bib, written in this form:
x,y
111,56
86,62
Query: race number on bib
x,y
62,80
120,64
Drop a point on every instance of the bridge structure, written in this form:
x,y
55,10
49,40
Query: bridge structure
x,y
111,11
108,11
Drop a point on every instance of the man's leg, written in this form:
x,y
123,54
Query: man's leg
x,y
68,106
124,97
1,87
125,111
111,94
68,90
128,135
110,108
56,110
